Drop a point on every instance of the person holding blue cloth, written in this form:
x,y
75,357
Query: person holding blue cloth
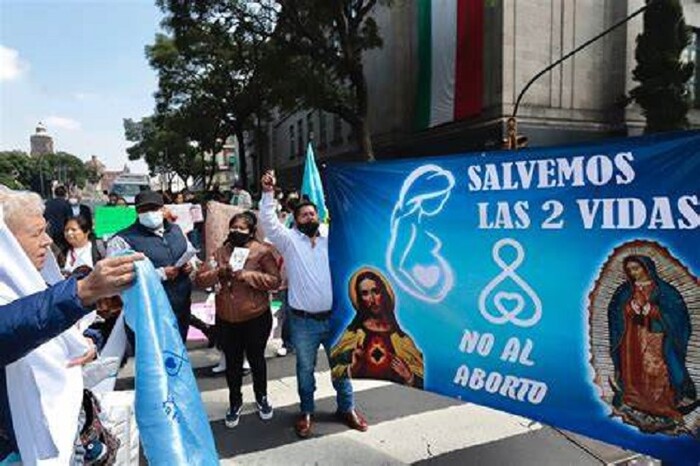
x,y
30,319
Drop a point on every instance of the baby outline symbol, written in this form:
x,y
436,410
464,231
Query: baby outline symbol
x,y
424,193
509,305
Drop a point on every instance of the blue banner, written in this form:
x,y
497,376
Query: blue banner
x,y
172,422
557,283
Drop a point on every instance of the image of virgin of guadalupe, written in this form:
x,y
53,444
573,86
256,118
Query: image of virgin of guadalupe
x,y
649,330
374,345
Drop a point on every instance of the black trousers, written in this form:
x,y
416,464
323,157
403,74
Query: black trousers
x,y
249,338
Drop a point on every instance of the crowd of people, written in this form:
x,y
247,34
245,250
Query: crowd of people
x,y
244,272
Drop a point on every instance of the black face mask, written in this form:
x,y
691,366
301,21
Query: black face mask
x,y
238,239
310,229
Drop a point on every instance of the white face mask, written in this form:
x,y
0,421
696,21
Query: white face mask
x,y
152,220
73,201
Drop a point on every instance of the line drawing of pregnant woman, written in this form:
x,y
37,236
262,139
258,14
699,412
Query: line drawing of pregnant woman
x,y
413,257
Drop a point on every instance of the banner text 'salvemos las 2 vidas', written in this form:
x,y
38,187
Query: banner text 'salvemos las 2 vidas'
x,y
560,284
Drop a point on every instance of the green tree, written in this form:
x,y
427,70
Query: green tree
x,y
325,42
19,171
67,169
16,169
164,150
662,77
210,69
93,173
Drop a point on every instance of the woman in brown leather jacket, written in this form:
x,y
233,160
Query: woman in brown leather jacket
x,y
243,310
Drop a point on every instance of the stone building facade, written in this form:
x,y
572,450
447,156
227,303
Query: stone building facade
x,y
579,100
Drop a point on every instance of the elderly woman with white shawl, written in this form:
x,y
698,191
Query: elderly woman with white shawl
x,y
44,388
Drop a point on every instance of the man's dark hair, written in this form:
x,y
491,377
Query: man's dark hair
x,y
301,205
60,191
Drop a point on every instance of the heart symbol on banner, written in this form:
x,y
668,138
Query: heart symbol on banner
x,y
427,276
509,304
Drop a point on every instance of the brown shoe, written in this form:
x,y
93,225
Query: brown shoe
x,y
303,425
354,420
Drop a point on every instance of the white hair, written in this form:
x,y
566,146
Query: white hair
x,y
18,205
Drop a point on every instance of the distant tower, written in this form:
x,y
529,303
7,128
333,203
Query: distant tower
x,y
41,142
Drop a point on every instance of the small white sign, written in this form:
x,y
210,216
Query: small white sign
x,y
238,258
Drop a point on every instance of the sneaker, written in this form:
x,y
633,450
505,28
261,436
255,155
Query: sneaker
x,y
233,416
246,367
221,367
264,409
282,352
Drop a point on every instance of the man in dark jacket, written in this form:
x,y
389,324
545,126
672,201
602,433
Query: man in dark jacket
x,y
57,211
164,244
80,210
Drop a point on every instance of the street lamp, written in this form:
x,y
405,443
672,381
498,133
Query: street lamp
x,y
511,141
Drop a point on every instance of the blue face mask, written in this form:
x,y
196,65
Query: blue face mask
x,y
151,220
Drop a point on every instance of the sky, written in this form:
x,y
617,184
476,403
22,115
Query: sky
x,y
79,67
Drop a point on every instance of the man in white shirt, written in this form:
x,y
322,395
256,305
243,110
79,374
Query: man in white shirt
x,y
310,294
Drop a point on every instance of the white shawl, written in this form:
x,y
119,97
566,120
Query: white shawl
x,y
44,394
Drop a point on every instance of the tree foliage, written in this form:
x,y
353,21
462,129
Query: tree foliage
x,y
16,169
211,69
19,171
93,174
325,42
165,150
223,63
662,77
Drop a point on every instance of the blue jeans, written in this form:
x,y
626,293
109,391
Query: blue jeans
x,y
307,335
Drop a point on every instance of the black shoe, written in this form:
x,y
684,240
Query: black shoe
x,y
264,409
233,417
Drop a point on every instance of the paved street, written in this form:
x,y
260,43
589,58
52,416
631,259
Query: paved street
x,y
407,426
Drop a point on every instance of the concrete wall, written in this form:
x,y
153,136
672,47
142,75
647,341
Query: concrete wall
x,y
579,100
583,91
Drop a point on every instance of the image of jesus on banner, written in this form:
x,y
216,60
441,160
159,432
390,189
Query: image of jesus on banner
x,y
374,345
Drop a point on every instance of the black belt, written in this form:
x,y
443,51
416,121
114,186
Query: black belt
x,y
312,315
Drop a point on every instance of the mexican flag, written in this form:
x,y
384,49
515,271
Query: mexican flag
x,y
450,49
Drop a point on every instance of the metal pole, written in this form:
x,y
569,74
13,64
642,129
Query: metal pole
x,y
575,51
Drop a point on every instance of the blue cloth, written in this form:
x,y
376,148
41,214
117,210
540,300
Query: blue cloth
x,y
307,335
26,324
11,459
674,324
164,252
312,186
170,414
